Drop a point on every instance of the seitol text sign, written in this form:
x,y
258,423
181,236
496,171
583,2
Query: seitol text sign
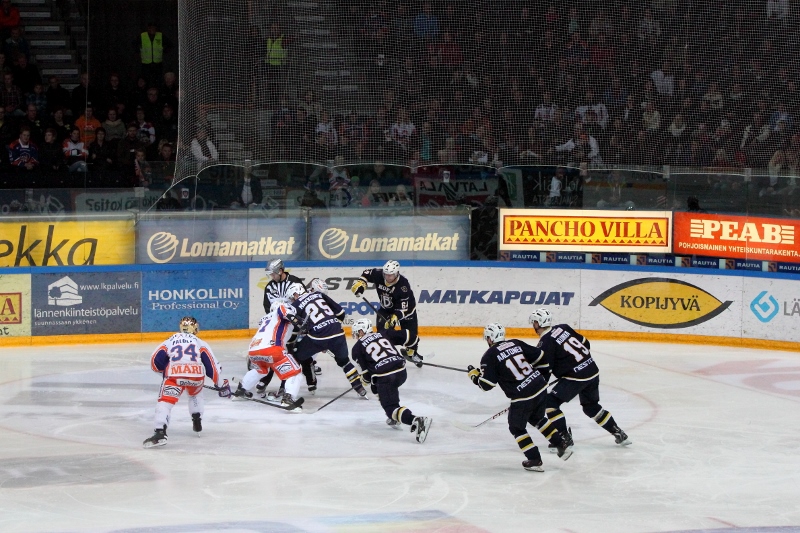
x,y
31,242
204,238
737,237
400,237
586,231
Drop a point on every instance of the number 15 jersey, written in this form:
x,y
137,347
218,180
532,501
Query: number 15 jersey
x,y
510,364
568,353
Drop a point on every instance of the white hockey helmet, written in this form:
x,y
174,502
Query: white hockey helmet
x,y
494,333
391,272
317,285
188,324
295,290
542,317
361,327
275,268
276,304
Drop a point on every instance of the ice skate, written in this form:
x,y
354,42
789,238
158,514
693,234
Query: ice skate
x,y
421,425
317,369
362,392
554,449
394,424
411,355
565,450
287,401
621,438
312,389
240,392
275,396
197,425
533,466
159,438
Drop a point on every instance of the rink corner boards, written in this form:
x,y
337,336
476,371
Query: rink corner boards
x,y
429,331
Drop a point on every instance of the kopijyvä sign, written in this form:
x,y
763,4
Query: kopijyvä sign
x,y
661,303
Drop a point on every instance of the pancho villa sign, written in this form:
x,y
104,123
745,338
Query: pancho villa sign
x,y
585,231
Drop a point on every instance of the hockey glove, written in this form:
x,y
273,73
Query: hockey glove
x,y
366,379
225,390
474,374
359,287
391,321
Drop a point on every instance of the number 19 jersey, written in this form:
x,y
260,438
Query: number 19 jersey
x,y
568,353
510,364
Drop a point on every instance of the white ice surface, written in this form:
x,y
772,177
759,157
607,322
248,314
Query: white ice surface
x,y
716,437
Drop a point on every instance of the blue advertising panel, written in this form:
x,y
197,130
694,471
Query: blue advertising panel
x,y
398,237
87,302
216,298
205,239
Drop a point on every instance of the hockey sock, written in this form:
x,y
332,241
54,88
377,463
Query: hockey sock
x,y
527,447
308,371
403,415
553,423
351,374
606,421
266,379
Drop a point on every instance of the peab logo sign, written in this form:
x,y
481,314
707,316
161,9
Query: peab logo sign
x,y
442,237
93,302
764,306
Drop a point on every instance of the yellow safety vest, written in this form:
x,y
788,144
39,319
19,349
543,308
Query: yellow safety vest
x,y
276,53
152,51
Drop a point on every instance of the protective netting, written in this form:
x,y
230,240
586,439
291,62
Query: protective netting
x,y
597,84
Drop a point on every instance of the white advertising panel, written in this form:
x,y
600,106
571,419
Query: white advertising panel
x,y
771,309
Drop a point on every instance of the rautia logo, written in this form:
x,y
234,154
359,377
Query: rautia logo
x,y
764,306
333,243
10,308
63,293
162,247
661,303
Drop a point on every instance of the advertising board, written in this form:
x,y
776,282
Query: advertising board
x,y
401,237
167,240
216,298
69,242
585,231
737,237
771,309
15,305
86,302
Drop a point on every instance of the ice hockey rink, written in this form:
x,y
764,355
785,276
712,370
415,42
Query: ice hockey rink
x,y
715,448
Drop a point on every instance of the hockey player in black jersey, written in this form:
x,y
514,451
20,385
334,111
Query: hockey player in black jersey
x,y
384,370
511,364
568,354
321,319
398,307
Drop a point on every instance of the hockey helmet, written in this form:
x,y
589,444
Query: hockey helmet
x,y
494,333
542,317
391,272
361,327
275,268
188,324
317,285
295,290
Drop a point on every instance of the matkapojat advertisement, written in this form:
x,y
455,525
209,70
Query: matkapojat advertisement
x,y
67,243
559,230
737,237
15,305
401,237
86,302
217,298
211,240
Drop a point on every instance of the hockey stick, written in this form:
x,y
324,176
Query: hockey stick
x,y
441,366
377,313
466,427
296,403
330,402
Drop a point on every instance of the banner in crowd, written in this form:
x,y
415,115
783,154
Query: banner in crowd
x,y
737,237
208,240
216,298
78,242
15,305
399,237
585,231
106,201
437,186
86,302
46,202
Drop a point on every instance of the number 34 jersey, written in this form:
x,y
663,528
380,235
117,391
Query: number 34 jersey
x,y
375,354
568,353
185,356
510,364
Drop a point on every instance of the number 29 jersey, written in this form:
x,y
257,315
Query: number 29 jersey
x,y
510,364
375,354
568,353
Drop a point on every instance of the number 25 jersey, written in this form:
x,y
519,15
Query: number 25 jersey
x,y
510,364
568,353
322,316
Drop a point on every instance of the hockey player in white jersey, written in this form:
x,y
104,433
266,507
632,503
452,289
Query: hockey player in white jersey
x,y
184,361
267,352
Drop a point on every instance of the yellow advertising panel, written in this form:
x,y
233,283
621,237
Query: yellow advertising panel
x,y
73,242
15,305
586,231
